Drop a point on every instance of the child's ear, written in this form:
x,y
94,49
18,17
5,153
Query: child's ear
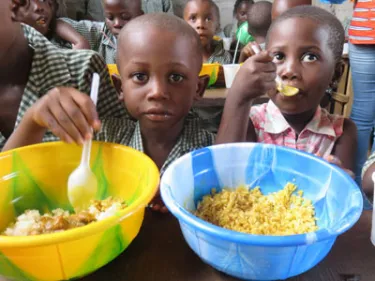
x,y
202,85
339,71
118,85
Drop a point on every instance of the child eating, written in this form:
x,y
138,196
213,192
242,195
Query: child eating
x,y
204,17
159,60
102,36
259,21
304,47
31,67
42,15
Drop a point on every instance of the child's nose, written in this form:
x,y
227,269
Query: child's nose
x,y
200,24
290,71
118,23
158,90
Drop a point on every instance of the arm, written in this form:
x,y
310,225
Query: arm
x,y
255,77
368,170
66,112
346,146
68,33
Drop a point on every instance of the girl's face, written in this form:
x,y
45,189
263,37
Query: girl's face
x,y
36,13
241,13
307,64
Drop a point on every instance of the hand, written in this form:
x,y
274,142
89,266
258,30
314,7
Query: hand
x,y
336,161
83,44
246,52
256,77
157,204
67,113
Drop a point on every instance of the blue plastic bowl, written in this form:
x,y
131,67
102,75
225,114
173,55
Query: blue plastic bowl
x,y
336,197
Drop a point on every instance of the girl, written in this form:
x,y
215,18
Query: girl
x,y
304,48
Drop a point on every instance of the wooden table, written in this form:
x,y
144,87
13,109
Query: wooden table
x,y
160,253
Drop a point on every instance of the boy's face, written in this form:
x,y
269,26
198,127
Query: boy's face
x,y
159,74
307,63
202,17
36,13
118,13
241,13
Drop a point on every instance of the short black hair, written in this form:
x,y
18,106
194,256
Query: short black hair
x,y
259,18
239,2
166,23
336,33
212,4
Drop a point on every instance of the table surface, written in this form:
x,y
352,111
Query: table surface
x,y
160,252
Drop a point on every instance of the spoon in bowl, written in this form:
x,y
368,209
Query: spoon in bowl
x,y
285,90
82,183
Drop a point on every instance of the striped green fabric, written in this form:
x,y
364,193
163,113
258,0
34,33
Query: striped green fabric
x,y
128,132
100,38
53,67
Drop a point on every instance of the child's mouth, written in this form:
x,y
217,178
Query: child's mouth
x,y
41,21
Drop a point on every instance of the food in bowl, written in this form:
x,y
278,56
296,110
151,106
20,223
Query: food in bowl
x,y
31,222
248,210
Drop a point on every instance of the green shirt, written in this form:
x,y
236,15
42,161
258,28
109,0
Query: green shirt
x,y
155,6
128,132
53,67
100,38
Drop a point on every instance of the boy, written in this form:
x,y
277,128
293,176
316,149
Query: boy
x,y
42,16
159,60
43,69
259,21
102,36
204,17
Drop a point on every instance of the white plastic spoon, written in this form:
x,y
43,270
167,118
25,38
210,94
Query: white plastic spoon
x,y
286,90
82,183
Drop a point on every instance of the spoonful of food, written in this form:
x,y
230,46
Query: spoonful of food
x,y
286,90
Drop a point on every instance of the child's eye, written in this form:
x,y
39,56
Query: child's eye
x,y
208,19
176,78
193,18
126,17
140,77
278,57
110,17
309,58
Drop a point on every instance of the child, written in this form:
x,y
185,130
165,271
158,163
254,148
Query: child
x,y
304,47
281,6
42,15
102,36
204,17
159,60
240,15
43,69
259,21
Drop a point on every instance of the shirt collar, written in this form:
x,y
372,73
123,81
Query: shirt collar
x,y
48,61
275,122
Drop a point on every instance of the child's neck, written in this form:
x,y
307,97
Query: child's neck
x,y
158,143
15,65
207,51
299,121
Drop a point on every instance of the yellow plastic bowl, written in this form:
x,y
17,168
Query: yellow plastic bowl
x,y
210,69
35,177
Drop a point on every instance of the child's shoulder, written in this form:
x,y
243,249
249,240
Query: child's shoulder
x,y
194,136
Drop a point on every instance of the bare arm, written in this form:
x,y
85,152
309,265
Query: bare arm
x,y
346,146
255,77
367,183
68,33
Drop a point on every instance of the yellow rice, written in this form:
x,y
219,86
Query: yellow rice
x,y
249,211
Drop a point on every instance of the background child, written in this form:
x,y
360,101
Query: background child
x,y
259,21
102,36
304,48
204,17
159,69
42,69
42,15
240,15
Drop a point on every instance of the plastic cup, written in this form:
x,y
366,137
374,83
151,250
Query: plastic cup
x,y
230,71
227,42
